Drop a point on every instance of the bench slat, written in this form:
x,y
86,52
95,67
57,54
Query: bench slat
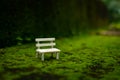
x,y
45,44
44,39
48,50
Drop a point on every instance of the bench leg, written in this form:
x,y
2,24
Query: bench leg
x,y
51,55
57,55
37,54
42,56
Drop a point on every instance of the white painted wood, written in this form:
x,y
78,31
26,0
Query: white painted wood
x,y
57,55
45,39
36,54
48,50
42,57
41,43
45,44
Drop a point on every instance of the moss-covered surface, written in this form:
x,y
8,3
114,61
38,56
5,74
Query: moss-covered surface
x,y
81,58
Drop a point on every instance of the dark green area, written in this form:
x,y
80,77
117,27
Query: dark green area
x,y
21,21
81,58
113,9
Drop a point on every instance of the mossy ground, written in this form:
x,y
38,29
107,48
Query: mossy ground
x,y
81,58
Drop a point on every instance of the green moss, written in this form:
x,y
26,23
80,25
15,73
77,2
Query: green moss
x,y
81,58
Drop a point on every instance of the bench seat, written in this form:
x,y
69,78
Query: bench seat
x,y
48,50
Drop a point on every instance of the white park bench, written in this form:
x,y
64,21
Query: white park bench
x,y
46,45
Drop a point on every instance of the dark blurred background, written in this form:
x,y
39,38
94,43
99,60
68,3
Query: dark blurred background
x,y
23,20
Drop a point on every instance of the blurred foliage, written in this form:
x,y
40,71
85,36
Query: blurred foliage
x,y
28,19
115,26
114,9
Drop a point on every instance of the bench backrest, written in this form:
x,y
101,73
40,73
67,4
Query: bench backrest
x,y
45,42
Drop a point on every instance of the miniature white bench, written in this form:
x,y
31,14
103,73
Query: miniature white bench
x,y
41,45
